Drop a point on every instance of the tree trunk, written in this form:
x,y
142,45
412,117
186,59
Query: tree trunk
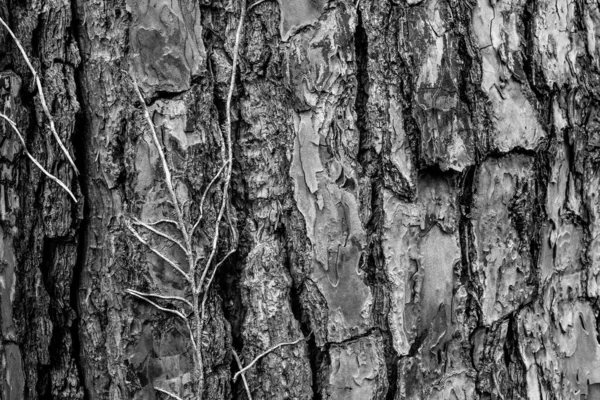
x,y
415,193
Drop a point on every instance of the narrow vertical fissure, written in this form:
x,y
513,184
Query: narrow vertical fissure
x,y
80,151
372,166
80,156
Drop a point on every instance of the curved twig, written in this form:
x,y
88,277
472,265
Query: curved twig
x,y
173,395
161,308
212,182
261,355
239,363
165,165
33,160
234,63
159,233
42,97
158,253
160,296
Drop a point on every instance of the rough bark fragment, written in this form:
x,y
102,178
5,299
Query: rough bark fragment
x,y
167,50
502,229
355,370
420,256
497,30
445,124
324,173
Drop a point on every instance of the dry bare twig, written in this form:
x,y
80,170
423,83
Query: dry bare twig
x,y
239,363
41,96
261,355
33,159
173,395
194,273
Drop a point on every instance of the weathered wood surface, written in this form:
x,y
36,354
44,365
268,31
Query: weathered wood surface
x,y
415,190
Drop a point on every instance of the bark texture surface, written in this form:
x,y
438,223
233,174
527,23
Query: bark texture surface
x,y
415,192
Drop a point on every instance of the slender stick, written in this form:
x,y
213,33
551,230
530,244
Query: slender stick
x,y
158,253
212,182
165,166
239,363
261,355
168,310
212,276
255,4
163,221
159,233
34,161
42,97
236,49
173,395
160,296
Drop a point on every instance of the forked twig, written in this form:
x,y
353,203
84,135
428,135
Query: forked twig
x,y
159,233
261,355
160,296
33,160
165,165
239,363
212,182
173,395
168,310
158,253
42,97
236,49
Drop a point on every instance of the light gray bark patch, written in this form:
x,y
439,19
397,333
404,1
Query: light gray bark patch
x,y
296,14
356,370
324,173
419,263
557,334
166,44
445,124
502,205
497,29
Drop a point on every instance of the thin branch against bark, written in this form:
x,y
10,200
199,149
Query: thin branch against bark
x,y
163,221
255,4
160,296
165,165
41,96
236,49
239,363
168,310
159,233
212,182
212,277
261,355
158,253
33,159
173,395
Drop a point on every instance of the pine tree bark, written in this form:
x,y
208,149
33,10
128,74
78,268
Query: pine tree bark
x,y
414,194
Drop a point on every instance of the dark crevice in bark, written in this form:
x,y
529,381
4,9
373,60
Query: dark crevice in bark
x,y
372,168
43,385
465,229
534,73
80,143
82,245
316,357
